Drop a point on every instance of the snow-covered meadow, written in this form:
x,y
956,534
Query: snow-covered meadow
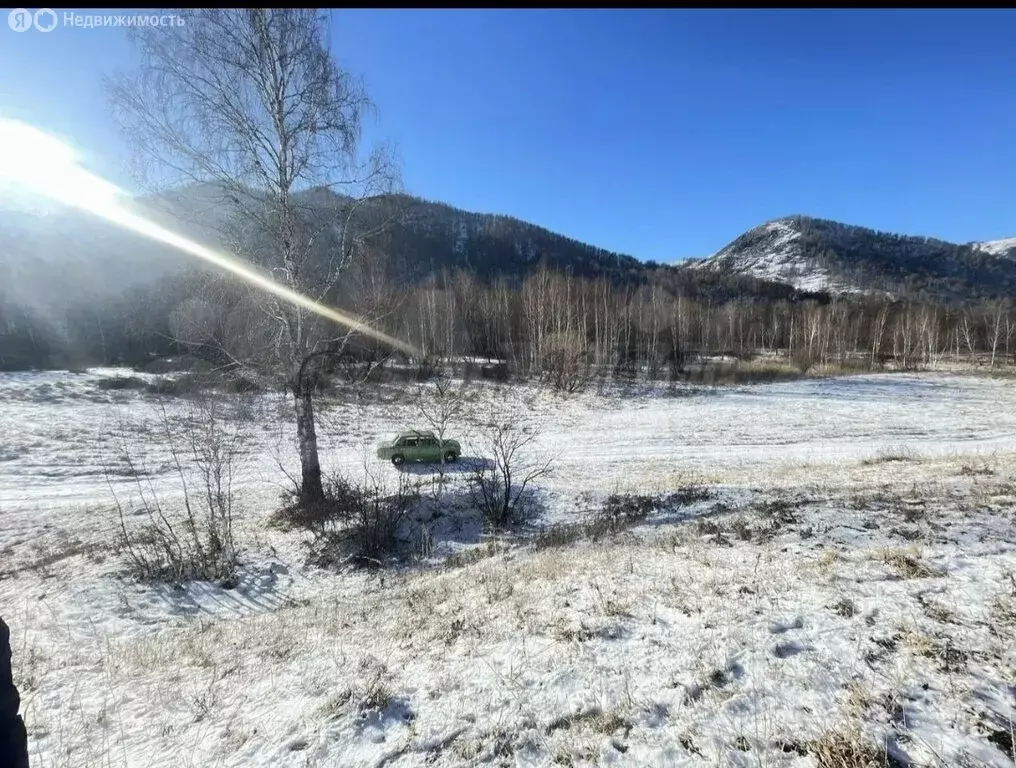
x,y
841,578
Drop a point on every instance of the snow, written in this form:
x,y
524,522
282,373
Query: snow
x,y
877,597
777,259
997,247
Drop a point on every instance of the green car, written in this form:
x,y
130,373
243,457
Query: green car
x,y
419,446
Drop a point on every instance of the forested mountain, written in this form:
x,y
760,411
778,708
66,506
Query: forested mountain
x,y
75,290
1004,247
822,255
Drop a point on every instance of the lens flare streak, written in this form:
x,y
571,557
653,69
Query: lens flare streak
x,y
33,160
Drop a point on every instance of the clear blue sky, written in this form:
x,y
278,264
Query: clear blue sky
x,y
662,134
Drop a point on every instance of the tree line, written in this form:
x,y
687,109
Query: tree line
x,y
547,325
553,320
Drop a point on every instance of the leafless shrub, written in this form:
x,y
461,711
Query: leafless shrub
x,y
195,542
376,519
622,510
440,404
567,362
805,358
619,512
688,494
356,522
185,385
320,517
773,515
500,485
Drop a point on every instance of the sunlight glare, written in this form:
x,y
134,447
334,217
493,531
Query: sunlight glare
x,y
33,160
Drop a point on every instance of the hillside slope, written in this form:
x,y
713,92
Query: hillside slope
x,y
821,255
1004,247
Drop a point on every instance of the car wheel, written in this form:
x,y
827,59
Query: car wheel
x,y
450,457
398,460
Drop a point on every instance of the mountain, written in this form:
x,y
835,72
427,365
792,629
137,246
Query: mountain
x,y
428,237
822,255
47,260
421,238
1006,247
66,254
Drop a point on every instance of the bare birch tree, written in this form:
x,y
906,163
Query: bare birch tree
x,y
997,313
252,103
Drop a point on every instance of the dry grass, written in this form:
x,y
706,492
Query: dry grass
x,y
890,454
1002,616
827,561
941,648
908,563
847,749
936,611
741,372
845,607
620,512
376,693
569,604
49,552
595,719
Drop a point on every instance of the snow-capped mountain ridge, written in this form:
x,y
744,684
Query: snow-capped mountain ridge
x,y
772,251
823,255
1004,247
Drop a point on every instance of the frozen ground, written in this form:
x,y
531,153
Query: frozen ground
x,y
820,596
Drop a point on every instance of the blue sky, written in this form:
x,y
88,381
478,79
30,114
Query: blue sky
x,y
663,134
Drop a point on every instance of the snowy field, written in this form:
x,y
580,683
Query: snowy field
x,y
839,591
